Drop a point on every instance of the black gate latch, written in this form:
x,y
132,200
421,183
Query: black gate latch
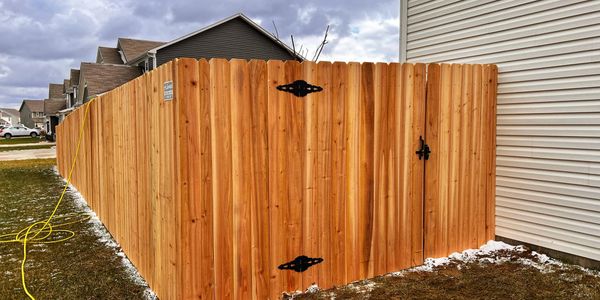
x,y
424,150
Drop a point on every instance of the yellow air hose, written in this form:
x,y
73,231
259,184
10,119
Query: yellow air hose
x,y
40,232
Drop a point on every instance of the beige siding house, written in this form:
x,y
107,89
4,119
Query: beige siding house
x,y
548,134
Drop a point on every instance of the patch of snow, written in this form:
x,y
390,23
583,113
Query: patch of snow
x,y
363,286
484,254
313,288
104,237
488,254
429,265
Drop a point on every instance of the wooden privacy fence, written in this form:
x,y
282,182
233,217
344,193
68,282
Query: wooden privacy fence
x,y
210,192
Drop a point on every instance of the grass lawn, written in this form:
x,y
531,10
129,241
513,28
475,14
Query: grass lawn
x,y
88,266
4,149
503,273
20,140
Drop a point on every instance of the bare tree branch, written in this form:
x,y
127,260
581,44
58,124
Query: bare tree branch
x,y
321,46
276,32
304,52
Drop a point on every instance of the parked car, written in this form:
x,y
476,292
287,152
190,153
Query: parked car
x,y
18,130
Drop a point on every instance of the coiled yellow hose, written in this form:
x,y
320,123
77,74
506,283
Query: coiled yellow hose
x,y
41,232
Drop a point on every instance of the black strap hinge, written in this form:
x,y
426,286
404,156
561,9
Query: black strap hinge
x,y
300,88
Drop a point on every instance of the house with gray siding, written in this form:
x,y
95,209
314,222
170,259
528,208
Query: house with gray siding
x,y
32,113
548,109
234,37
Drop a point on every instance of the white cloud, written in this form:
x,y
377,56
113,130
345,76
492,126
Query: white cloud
x,y
41,40
370,39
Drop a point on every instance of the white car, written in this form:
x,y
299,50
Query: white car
x,y
18,130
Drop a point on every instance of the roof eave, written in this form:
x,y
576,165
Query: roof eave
x,y
138,59
243,17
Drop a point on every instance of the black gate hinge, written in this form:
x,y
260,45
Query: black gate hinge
x,y
301,263
424,150
300,88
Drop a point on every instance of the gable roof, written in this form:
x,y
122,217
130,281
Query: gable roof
x,y
108,55
55,91
66,85
34,105
242,17
133,48
100,78
74,79
51,107
10,111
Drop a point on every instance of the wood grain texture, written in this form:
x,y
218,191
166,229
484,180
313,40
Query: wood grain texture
x,y
459,205
210,192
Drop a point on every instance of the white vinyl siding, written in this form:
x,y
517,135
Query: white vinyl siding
x,y
548,134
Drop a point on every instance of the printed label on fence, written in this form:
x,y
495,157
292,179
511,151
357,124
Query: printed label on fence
x,y
168,90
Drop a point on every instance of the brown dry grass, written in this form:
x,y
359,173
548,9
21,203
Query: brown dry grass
x,y
477,280
84,267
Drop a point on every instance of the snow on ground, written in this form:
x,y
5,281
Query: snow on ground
x,y
105,237
491,253
470,255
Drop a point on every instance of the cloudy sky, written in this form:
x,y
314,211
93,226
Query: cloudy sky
x,y
40,40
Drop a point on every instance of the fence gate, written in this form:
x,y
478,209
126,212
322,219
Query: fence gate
x,y
324,168
460,172
263,177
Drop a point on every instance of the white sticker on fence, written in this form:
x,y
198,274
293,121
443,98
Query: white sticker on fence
x,y
168,90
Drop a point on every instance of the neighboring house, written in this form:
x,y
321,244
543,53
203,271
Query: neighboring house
x,y
233,37
71,89
9,116
548,113
32,113
52,113
96,79
54,104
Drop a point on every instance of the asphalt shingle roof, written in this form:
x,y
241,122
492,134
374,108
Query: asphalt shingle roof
x,y
51,107
34,105
55,91
133,49
11,111
109,56
74,77
101,78
66,85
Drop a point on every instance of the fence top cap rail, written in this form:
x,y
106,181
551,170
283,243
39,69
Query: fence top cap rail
x,y
211,60
306,62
